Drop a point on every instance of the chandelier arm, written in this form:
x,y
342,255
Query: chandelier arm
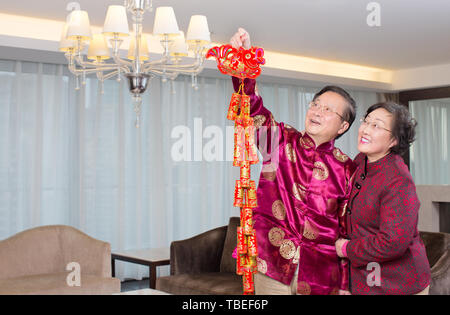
x,y
162,61
100,66
163,74
198,63
91,69
116,42
94,68
72,65
110,75
187,69
75,60
121,62
175,71
194,71
177,67
93,65
174,74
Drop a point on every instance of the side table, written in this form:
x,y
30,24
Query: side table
x,y
147,257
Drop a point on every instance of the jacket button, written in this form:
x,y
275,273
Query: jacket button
x,y
363,177
358,186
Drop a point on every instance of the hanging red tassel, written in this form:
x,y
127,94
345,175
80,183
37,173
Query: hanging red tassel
x,y
243,64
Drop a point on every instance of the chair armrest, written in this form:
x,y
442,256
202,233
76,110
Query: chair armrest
x,y
442,265
93,255
201,253
440,275
102,266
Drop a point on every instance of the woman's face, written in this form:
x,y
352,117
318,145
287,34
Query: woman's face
x,y
375,138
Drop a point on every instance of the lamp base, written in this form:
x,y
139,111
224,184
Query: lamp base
x,y
137,82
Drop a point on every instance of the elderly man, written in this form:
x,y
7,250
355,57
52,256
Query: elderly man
x,y
302,193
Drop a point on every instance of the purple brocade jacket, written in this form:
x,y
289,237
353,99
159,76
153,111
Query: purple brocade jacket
x,y
302,199
383,230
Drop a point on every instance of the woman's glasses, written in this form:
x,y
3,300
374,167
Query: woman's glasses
x,y
375,125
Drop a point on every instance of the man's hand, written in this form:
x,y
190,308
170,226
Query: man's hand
x,y
241,39
339,244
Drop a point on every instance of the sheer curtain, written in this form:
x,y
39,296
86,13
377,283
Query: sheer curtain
x,y
429,154
75,157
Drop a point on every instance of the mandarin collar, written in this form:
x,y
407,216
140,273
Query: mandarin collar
x,y
375,167
326,146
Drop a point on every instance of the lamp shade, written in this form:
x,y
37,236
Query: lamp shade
x,y
116,22
178,47
165,22
143,51
79,26
98,49
198,29
154,42
66,44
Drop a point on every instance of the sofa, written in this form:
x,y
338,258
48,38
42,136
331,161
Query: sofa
x,y
204,264
35,261
438,252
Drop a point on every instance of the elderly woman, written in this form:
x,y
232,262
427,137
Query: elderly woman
x,y
385,251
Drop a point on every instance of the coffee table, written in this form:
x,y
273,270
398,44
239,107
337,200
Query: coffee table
x,y
143,292
148,257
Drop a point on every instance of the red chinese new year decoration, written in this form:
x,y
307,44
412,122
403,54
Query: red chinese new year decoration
x,y
243,64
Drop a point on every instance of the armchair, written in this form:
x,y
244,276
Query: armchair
x,y
204,264
438,252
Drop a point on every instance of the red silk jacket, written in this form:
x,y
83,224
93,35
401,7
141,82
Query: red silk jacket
x,y
302,197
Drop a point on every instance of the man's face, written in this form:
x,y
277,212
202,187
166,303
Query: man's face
x,y
324,120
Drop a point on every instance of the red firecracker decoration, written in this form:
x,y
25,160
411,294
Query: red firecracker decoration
x,y
243,64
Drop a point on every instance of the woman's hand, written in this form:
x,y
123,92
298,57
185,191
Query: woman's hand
x,y
241,39
339,245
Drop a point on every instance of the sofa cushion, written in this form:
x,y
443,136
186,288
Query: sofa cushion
x,y
46,284
228,263
212,283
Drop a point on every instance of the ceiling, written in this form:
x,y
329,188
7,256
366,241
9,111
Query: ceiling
x,y
410,34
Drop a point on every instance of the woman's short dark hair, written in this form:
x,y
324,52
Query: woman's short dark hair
x,y
350,111
403,127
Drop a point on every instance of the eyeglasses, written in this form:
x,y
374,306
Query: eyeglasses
x,y
376,126
324,108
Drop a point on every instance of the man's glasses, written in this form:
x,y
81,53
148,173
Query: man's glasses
x,y
324,108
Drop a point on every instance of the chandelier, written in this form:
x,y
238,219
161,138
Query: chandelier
x,y
136,67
